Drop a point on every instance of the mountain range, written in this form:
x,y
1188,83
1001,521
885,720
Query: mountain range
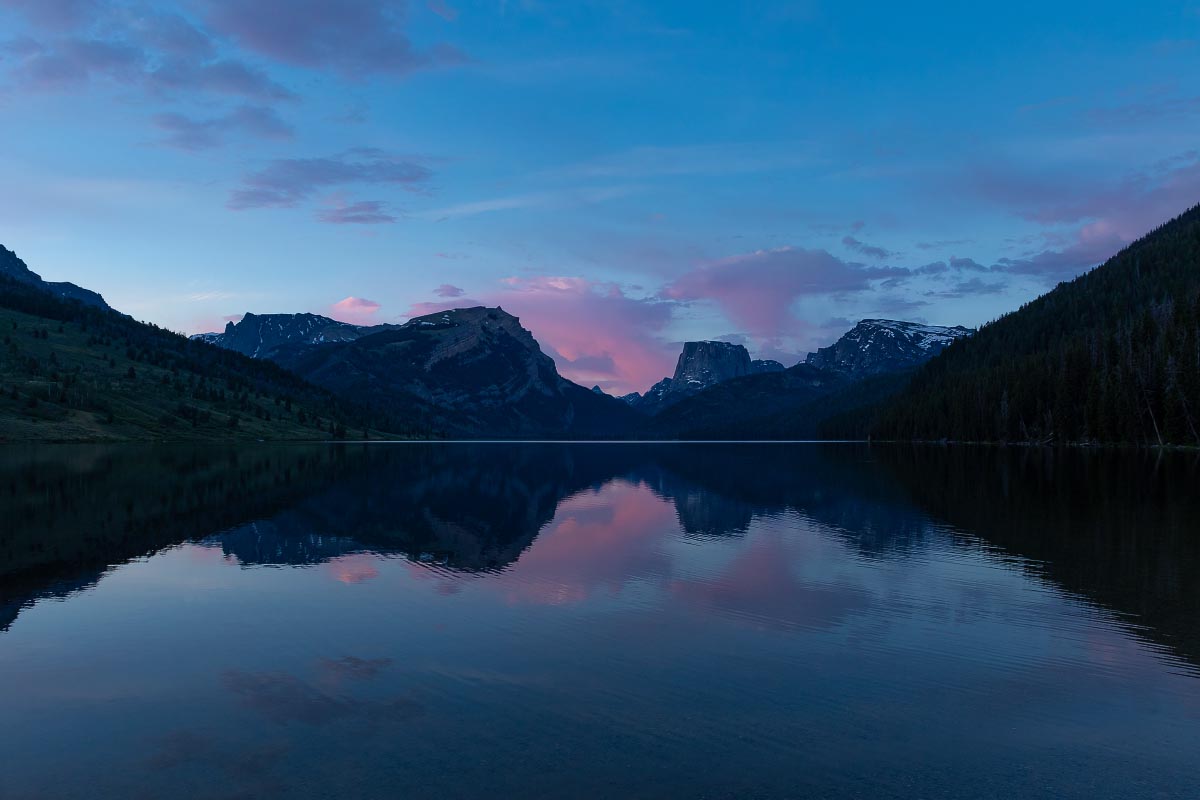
x,y
466,372
1113,356
477,372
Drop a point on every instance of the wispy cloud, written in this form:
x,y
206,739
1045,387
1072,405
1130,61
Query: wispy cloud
x,y
865,249
225,76
189,133
362,212
560,198
713,159
442,9
287,182
354,38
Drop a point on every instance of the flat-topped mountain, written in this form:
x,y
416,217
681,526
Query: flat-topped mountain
x,y
13,267
478,367
701,365
876,346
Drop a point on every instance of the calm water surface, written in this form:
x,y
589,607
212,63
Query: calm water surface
x,y
500,620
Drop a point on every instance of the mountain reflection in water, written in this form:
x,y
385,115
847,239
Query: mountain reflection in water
x,y
664,619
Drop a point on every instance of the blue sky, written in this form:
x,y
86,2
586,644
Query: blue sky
x,y
623,175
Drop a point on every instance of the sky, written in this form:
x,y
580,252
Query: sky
x,y
622,175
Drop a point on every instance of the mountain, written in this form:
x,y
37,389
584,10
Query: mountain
x,y
737,408
871,362
256,335
71,369
477,369
701,365
877,346
16,270
1112,356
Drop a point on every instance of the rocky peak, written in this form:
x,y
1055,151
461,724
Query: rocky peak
x,y
13,267
476,369
256,335
700,365
463,330
876,346
765,365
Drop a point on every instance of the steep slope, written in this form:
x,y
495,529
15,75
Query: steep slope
x,y
1112,356
483,372
256,335
15,269
75,371
701,365
877,346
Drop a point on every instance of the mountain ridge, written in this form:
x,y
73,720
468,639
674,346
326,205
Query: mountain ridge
x,y
875,346
478,370
12,267
1112,356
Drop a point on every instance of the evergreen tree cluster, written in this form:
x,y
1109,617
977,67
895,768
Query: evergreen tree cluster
x,y
1110,357
97,358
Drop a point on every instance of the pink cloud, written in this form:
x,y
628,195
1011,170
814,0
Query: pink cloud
x,y
448,290
1108,218
761,588
358,568
594,331
756,290
356,310
598,542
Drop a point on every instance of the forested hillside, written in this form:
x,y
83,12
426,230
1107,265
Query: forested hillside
x,y
1112,356
70,371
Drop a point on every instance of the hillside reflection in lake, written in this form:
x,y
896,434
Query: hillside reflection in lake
x,y
625,620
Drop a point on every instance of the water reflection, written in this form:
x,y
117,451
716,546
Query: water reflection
x,y
1119,529
640,620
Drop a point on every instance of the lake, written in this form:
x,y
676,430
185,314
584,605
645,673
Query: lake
x,y
598,620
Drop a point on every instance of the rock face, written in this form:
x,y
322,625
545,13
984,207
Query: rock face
x,y
483,373
700,365
13,267
703,364
256,335
877,346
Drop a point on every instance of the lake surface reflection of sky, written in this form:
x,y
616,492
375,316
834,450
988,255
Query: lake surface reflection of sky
x,y
452,620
